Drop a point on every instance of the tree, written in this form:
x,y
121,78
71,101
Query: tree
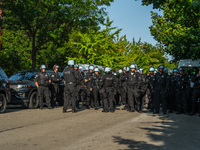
x,y
45,21
179,28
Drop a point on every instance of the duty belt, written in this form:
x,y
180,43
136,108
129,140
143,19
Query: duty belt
x,y
70,83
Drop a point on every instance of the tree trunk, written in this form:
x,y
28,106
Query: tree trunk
x,y
33,55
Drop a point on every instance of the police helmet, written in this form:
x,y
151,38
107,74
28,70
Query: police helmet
x,y
124,68
91,68
132,66
71,62
96,69
120,71
181,69
151,69
55,66
107,69
160,67
127,69
42,67
199,65
76,66
114,74
175,70
165,69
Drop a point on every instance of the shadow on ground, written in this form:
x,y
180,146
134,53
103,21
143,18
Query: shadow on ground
x,y
175,132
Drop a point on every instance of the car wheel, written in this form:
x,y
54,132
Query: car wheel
x,y
3,103
34,102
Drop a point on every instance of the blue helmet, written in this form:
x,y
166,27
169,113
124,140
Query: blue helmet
x,y
127,69
55,66
42,67
199,65
107,69
181,69
160,67
165,69
96,69
71,62
151,69
120,71
76,66
114,74
91,68
124,68
133,66
175,70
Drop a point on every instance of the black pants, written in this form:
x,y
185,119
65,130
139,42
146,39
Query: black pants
x,y
109,99
181,100
123,94
160,98
172,99
95,99
150,96
89,97
195,96
134,97
43,91
55,91
70,96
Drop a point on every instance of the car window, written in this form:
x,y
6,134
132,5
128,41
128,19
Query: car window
x,y
2,73
24,75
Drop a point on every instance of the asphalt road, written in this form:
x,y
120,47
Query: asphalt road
x,y
27,129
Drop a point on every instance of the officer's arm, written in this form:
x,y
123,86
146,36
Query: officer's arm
x,y
36,80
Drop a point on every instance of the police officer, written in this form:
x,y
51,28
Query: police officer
x,y
108,85
80,85
88,78
183,86
160,90
196,91
42,81
123,88
70,76
150,89
95,81
55,81
143,86
172,90
134,86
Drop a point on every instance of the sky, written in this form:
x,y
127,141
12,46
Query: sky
x,y
133,18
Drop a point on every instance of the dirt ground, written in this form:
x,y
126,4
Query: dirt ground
x,y
25,129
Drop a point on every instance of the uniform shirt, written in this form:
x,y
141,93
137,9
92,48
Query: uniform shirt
x,y
88,77
183,82
109,80
70,75
95,80
42,78
160,80
134,79
55,78
150,79
196,80
123,79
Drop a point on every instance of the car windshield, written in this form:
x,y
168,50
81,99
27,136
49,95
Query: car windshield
x,y
19,76
2,73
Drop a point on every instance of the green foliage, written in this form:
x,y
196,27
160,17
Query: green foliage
x,y
45,21
179,28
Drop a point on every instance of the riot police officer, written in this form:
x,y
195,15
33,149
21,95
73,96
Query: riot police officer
x,y
71,78
150,89
160,90
196,91
172,90
88,78
108,88
183,86
134,86
80,86
42,81
143,86
95,81
55,81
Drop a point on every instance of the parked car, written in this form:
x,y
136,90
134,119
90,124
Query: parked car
x,y
5,94
24,90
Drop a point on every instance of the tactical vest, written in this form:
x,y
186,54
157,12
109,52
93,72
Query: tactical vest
x,y
42,79
69,75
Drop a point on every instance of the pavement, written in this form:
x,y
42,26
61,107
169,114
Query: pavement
x,y
27,129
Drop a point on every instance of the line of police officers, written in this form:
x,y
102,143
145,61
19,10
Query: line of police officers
x,y
129,88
